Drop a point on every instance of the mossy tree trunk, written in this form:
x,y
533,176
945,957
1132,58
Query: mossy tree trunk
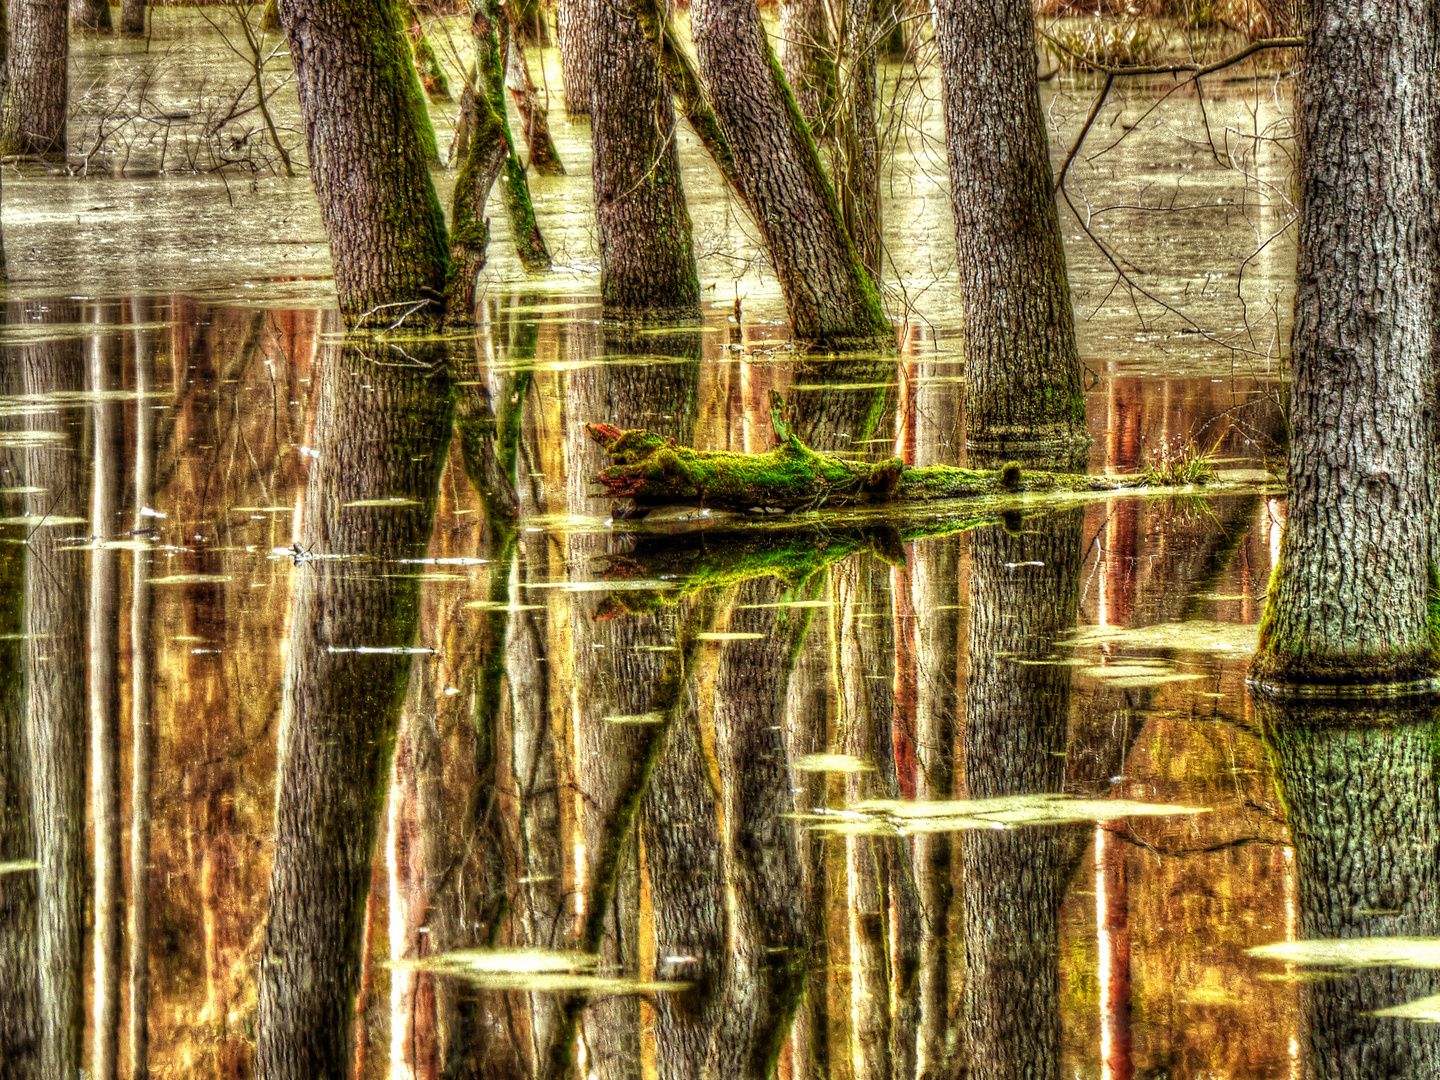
x,y
427,64
831,298
1352,597
483,160
39,65
379,431
1023,392
91,16
370,144
1359,787
647,255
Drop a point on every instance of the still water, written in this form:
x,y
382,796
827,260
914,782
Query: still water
x,y
325,672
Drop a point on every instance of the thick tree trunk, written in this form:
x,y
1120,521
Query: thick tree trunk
x,y
104,647
830,296
55,700
1351,597
90,15
574,26
647,256
1023,375
39,58
544,159
380,432
1359,788
132,17
807,57
1024,592
370,144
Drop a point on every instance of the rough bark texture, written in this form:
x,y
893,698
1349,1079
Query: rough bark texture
x,y
380,432
39,77
573,27
1024,592
807,56
859,174
1022,368
482,162
831,299
90,15
370,144
1351,597
1360,797
647,256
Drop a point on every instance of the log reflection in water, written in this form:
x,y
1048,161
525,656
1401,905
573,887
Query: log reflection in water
x,y
1359,785
380,437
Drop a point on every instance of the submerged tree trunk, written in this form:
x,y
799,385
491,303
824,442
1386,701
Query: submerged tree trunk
x,y
1351,598
577,49
647,256
39,56
1022,368
830,296
91,15
380,430
544,159
484,158
382,218
1358,781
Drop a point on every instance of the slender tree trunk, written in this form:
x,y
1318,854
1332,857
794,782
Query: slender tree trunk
x,y
574,26
831,297
1358,782
386,230
132,17
807,57
379,430
544,159
39,56
859,175
1023,376
91,15
427,64
1024,591
104,647
647,256
1352,596
55,701
142,661
483,159
4,93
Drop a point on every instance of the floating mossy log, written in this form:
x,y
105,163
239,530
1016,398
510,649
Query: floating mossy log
x,y
653,470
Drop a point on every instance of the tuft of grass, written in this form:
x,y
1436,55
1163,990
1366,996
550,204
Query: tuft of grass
x,y
1126,43
1179,461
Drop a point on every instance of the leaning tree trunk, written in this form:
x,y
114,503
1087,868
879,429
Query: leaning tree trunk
x,y
90,15
1358,781
381,432
1022,368
370,142
534,119
831,298
39,49
575,29
1024,592
1350,599
647,256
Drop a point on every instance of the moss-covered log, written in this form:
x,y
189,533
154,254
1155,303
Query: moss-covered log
x,y
652,470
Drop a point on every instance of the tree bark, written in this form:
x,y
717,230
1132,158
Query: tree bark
x,y
39,56
859,158
574,27
807,57
370,144
132,17
647,255
91,15
427,64
380,432
831,298
483,160
1023,376
1352,596
535,121
1358,782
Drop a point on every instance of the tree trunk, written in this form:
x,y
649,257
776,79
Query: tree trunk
x,y
574,26
830,296
132,17
1359,787
1023,391
544,159
807,57
104,647
427,64
859,146
1351,598
380,432
483,159
39,56
1024,592
55,698
647,256
90,15
355,79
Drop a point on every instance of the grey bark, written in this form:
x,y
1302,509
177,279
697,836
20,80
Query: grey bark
x,y
39,54
574,27
1022,367
807,57
132,17
378,430
544,159
1349,602
647,256
859,145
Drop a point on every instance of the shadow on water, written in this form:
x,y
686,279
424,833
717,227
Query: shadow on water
x,y
430,765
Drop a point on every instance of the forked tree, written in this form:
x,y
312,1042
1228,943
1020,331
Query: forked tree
x,y
1023,391
1353,597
